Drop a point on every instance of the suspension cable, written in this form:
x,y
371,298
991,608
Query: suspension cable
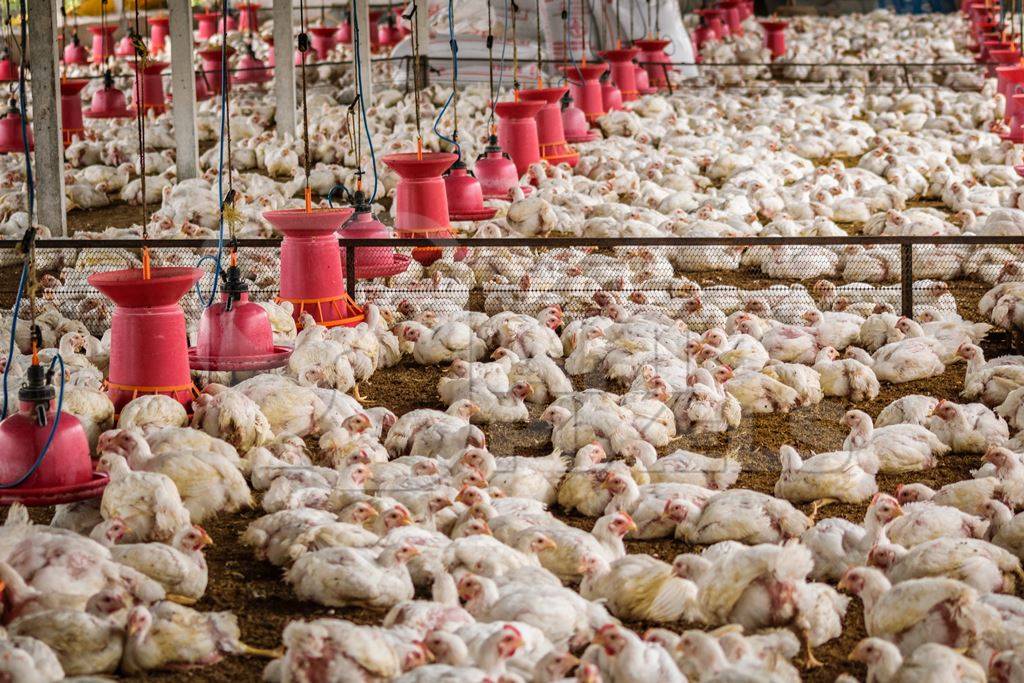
x,y
303,43
416,79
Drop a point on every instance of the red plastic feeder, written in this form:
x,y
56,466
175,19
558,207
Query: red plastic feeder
x,y
496,172
643,84
1008,80
232,23
75,52
371,262
465,195
517,132
65,474
159,29
124,48
108,102
152,87
574,123
311,274
731,15
550,133
251,70
653,57
148,344
1005,57
71,108
1016,134
374,29
8,69
611,97
585,88
322,39
211,58
714,22
102,42
235,333
775,37
388,33
202,90
11,139
344,34
623,71
248,16
207,24
421,202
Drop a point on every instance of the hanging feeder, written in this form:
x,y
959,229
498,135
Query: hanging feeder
x,y
75,52
574,123
71,108
611,97
550,133
248,16
211,58
230,25
202,90
322,38
1016,133
108,102
370,262
8,68
235,333
125,47
496,172
102,42
731,16
65,474
713,23
312,278
11,139
585,88
159,29
207,24
344,34
251,70
388,33
517,132
421,203
151,84
775,36
623,72
1008,79
465,195
655,61
374,29
148,343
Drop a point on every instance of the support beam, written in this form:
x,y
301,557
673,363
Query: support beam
x,y
183,85
284,67
48,169
361,21
423,39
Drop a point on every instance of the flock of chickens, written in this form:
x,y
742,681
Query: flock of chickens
x,y
484,566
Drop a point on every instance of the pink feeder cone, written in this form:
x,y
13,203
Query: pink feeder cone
x,y
232,24
1016,134
465,195
211,58
124,48
148,344
775,37
371,262
611,97
731,16
574,123
251,70
654,60
517,132
152,87
248,16
643,85
714,22
159,29
65,474
102,42
108,102
344,34
75,52
312,278
8,69
322,40
388,33
202,89
496,172
421,203
585,88
71,108
207,24
11,139
550,134
1009,79
623,72
235,333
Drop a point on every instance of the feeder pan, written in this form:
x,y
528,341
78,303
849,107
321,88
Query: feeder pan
x,y
125,47
148,343
75,52
388,33
496,172
652,54
65,474
102,42
248,16
71,107
159,29
211,58
585,88
731,15
611,97
1005,57
311,274
152,87
108,102
374,29
251,70
775,37
207,24
235,333
344,34
232,23
371,262
465,196
1016,134
202,90
8,69
623,71
643,84
714,22
550,133
322,40
11,139
517,132
421,203
574,123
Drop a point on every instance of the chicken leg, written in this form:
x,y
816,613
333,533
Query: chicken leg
x,y
817,505
357,396
810,662
261,652
181,599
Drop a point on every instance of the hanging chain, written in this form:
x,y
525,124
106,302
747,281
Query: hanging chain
x,y
540,51
490,64
303,42
416,78
565,31
140,115
515,51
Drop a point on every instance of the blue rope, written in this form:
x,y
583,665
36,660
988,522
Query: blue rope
x,y
454,44
14,329
53,430
362,111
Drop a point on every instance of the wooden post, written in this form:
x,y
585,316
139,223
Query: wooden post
x,y
361,22
183,85
43,28
284,67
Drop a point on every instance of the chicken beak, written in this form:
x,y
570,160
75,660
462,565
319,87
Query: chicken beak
x,y
632,526
427,654
406,520
372,514
487,530
205,538
852,657
548,544
899,511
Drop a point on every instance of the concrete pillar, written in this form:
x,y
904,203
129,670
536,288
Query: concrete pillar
x,y
361,20
183,85
284,67
48,169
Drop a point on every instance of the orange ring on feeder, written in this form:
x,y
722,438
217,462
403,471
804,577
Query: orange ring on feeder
x,y
137,391
69,133
347,321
